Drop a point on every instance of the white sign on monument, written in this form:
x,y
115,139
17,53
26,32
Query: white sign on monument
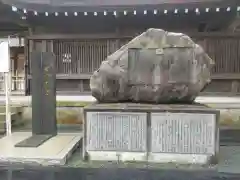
x,y
5,57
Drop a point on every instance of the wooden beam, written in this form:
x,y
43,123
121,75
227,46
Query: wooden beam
x,y
70,76
226,76
127,36
214,34
77,36
92,6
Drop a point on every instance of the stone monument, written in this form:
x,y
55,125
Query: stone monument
x,y
146,110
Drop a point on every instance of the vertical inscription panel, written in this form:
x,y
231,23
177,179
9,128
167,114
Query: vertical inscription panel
x,y
185,133
43,93
116,131
142,66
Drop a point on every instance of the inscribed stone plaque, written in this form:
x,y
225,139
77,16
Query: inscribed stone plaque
x,y
116,131
156,66
186,133
144,66
180,64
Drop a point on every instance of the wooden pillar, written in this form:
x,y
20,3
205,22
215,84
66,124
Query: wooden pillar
x,y
235,87
28,46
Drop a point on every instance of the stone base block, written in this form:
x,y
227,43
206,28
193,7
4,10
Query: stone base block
x,y
117,156
179,158
185,134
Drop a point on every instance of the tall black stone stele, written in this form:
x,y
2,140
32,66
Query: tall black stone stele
x,y
44,125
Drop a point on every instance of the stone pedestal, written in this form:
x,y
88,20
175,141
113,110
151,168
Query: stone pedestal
x,y
183,134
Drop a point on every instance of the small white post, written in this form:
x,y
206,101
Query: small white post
x,y
5,68
8,106
8,93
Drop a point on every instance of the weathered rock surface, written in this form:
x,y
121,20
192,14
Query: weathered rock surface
x,y
155,67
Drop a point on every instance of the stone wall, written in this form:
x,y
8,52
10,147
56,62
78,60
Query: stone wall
x,y
229,118
65,115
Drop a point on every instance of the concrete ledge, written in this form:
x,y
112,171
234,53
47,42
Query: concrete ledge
x,y
179,158
118,156
55,151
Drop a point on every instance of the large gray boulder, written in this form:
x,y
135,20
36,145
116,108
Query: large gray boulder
x,y
155,67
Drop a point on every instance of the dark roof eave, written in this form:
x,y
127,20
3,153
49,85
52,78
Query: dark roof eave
x,y
119,7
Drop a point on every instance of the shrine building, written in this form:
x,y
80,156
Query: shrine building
x,y
82,33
